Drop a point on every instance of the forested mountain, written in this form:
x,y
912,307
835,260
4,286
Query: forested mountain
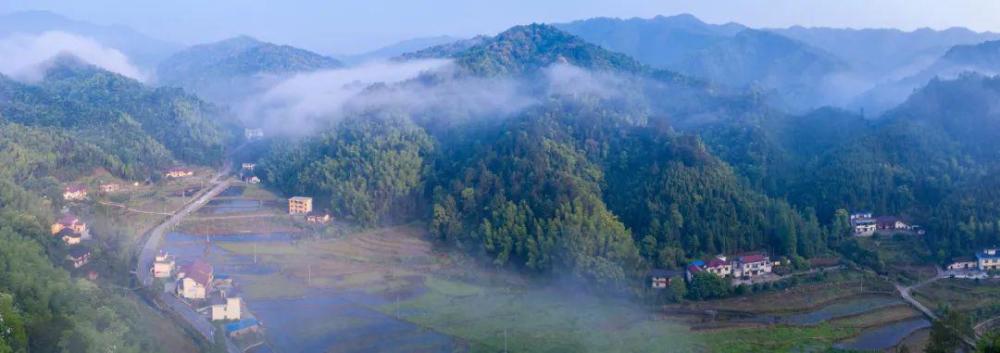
x,y
983,58
77,119
141,49
886,53
234,68
594,184
138,129
728,54
661,42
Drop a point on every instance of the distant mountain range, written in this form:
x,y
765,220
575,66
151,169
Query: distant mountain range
x,y
397,49
235,67
143,50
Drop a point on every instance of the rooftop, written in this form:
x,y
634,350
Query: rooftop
x,y
300,198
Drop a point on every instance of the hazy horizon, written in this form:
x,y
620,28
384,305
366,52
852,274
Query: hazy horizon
x,y
356,28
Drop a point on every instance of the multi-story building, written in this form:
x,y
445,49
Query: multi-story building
x,y
300,205
988,259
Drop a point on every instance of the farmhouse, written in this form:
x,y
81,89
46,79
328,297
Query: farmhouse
x,y
891,223
318,218
163,265
253,179
719,266
110,187
70,237
660,278
963,263
742,266
178,172
78,256
863,224
68,221
75,193
988,259
225,309
300,205
248,167
194,280
752,264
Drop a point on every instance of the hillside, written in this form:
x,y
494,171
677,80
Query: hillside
x,y
661,42
231,69
143,129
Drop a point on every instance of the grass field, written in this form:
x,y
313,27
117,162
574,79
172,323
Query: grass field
x,y
978,299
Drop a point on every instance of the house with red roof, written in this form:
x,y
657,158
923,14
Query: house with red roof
x,y
194,280
751,264
71,222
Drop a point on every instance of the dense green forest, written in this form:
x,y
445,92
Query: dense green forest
x,y
667,170
140,129
77,119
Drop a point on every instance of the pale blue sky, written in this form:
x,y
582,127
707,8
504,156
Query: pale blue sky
x,y
338,26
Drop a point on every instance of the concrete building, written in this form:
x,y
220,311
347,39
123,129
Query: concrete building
x,y
300,205
195,280
225,309
750,265
988,259
163,265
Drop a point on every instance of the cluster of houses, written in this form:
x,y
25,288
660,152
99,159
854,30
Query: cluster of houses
x,y
866,224
73,232
986,260
253,134
743,268
199,284
303,205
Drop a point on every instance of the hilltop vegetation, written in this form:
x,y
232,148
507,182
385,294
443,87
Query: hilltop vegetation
x,y
232,69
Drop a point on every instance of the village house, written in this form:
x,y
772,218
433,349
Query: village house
x,y
75,193
890,223
248,167
78,256
225,309
750,265
742,266
963,263
318,218
110,187
988,259
163,265
863,224
68,221
178,172
195,280
660,278
719,266
70,237
300,205
253,179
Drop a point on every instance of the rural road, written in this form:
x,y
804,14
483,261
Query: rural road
x,y
907,294
149,250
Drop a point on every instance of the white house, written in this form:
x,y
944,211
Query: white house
x,y
195,280
226,309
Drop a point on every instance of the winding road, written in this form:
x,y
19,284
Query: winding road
x,y
151,244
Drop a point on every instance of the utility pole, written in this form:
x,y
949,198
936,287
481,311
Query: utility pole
x,y
309,275
254,253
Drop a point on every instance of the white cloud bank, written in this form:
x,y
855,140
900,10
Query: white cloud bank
x,y
26,57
